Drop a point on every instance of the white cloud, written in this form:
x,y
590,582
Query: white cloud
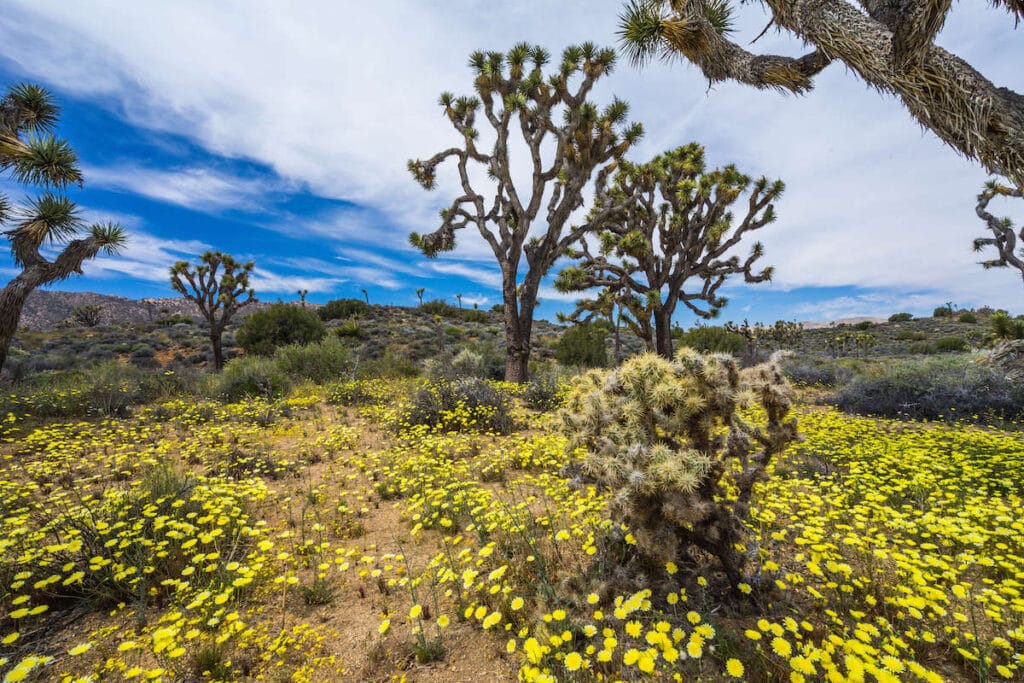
x,y
313,91
145,256
195,188
263,280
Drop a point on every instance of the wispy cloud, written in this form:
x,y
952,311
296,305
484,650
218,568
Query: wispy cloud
x,y
263,280
203,189
145,257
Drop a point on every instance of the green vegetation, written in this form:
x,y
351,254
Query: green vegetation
x,y
900,318
264,331
583,346
709,338
340,309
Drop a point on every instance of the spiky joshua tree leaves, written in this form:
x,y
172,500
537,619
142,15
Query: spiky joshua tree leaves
x,y
1008,241
560,138
663,437
673,242
219,287
890,44
34,156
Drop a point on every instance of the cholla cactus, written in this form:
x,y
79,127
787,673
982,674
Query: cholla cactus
x,y
662,436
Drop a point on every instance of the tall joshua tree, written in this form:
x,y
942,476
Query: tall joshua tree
x,y
561,139
34,156
1010,252
890,44
219,287
674,242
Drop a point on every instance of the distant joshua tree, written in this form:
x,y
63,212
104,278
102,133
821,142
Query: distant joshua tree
x,y
419,294
34,156
366,295
459,297
303,293
219,287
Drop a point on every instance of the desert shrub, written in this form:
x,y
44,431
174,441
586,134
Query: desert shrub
x,y
321,362
87,316
911,335
583,346
951,344
546,389
442,308
951,387
900,318
251,377
349,329
968,317
943,312
863,325
473,315
922,347
661,436
174,319
392,363
338,309
454,332
359,392
710,338
815,372
464,405
280,325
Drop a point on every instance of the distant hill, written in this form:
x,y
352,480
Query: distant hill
x,y
46,310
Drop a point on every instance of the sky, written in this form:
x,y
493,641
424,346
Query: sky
x,y
279,133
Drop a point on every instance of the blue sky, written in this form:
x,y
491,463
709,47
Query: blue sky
x,y
280,135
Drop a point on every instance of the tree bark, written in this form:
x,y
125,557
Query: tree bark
x,y
12,301
663,332
216,335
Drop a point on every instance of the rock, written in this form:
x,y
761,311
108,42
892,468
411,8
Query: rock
x,y
1008,358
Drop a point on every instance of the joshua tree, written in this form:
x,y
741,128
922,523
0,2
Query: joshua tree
x,y
1004,235
419,294
564,139
665,437
366,295
34,156
459,297
303,293
890,44
219,287
673,242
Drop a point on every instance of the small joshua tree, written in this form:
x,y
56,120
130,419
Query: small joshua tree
x,y
219,287
663,436
1004,236
419,294
303,293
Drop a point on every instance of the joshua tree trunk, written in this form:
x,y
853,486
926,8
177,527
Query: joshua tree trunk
x,y
12,300
215,340
518,327
663,332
